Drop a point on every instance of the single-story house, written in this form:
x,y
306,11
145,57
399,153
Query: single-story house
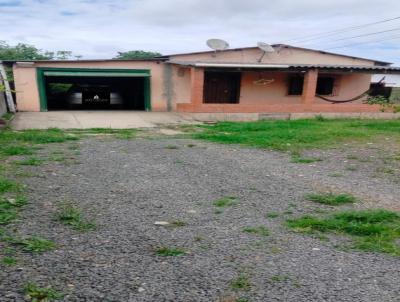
x,y
241,80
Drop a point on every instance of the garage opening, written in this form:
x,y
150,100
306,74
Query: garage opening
x,y
80,90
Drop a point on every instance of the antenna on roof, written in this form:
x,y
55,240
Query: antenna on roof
x,y
266,48
217,44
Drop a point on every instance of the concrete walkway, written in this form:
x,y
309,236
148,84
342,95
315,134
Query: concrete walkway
x,y
97,119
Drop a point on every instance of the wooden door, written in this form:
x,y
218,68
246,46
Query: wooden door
x,y
221,87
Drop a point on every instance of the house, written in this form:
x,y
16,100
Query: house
x,y
241,80
387,85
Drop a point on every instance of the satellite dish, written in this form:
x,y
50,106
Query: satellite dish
x,y
265,47
217,44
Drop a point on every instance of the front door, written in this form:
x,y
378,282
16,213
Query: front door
x,y
221,87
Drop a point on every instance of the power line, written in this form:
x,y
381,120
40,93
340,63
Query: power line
x,y
369,34
366,42
338,31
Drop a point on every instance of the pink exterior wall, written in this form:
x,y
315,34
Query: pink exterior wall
x,y
27,88
285,56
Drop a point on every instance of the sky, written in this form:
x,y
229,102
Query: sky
x,y
100,28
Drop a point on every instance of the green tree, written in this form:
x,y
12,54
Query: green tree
x,y
136,54
22,51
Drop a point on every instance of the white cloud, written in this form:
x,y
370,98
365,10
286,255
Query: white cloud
x,y
100,28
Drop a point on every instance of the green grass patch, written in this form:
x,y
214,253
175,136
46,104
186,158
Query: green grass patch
x,y
8,260
32,161
178,223
258,230
33,244
295,135
372,230
331,198
16,150
171,147
7,185
304,160
241,283
226,201
41,294
9,208
272,215
71,216
170,252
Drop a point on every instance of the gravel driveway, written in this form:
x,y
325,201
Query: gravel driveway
x,y
128,185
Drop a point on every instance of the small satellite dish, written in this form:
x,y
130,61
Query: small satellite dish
x,y
265,47
217,44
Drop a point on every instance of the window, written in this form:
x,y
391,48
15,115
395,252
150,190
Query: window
x,y
221,87
296,85
325,85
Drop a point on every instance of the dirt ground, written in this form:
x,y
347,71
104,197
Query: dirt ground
x,y
127,187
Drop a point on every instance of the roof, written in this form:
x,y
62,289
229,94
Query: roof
x,y
80,61
266,66
278,45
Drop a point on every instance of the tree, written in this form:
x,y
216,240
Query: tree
x,y
23,51
136,54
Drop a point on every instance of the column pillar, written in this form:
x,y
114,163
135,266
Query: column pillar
x,y
197,85
309,86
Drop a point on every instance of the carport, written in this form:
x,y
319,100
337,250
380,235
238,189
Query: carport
x,y
93,89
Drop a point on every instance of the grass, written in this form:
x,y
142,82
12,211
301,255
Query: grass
x,y
178,223
242,283
118,133
16,150
7,116
32,161
296,135
8,260
171,147
41,294
272,215
52,135
259,230
9,208
372,230
280,278
170,252
331,198
7,185
33,244
71,216
226,201
304,160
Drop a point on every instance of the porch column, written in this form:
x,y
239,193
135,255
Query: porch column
x,y
309,86
197,85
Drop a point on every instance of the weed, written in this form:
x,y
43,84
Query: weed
x,y
9,208
9,260
259,230
32,161
226,201
351,168
385,170
71,216
33,244
331,198
171,147
170,252
272,215
372,230
7,185
16,150
351,156
41,294
177,223
304,160
242,283
190,145
280,278
335,174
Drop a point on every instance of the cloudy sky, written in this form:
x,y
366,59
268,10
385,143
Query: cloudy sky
x,y
101,28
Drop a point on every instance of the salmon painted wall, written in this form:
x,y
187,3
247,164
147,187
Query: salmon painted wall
x,y
284,56
346,86
27,88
